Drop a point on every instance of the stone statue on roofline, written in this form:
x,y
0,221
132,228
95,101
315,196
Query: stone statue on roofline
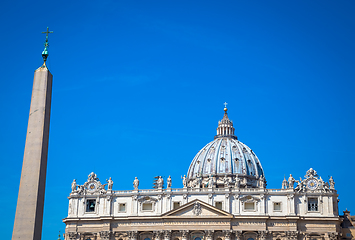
x,y
136,183
331,183
109,184
168,182
73,186
237,182
291,181
184,181
284,183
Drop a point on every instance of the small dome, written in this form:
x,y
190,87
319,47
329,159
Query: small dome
x,y
226,157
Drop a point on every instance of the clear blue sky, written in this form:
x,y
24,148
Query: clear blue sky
x,y
139,87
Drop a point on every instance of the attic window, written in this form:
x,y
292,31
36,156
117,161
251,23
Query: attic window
x,y
218,205
277,206
147,206
122,207
176,205
249,206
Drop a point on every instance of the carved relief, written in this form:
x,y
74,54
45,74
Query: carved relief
x,y
238,235
105,235
72,235
292,235
209,234
132,234
184,234
333,235
227,234
167,234
262,235
157,235
197,208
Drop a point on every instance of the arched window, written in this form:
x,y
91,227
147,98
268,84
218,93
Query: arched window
x,y
146,238
197,238
250,239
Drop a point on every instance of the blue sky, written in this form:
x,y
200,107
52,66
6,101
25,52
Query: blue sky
x,y
139,87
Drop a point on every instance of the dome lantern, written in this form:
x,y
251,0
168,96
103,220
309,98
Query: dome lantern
x,y
225,126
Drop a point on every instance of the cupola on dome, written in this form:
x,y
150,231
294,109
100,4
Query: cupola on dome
x,y
226,161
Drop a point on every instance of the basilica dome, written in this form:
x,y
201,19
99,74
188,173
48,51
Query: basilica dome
x,y
226,159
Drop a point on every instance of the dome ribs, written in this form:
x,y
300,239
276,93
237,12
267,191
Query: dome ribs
x,y
225,157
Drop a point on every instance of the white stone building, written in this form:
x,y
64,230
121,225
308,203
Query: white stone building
x,y
224,198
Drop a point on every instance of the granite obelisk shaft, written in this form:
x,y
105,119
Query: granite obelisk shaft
x,y
30,202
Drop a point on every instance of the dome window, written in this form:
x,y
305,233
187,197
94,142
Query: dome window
x,y
222,159
236,159
198,161
209,160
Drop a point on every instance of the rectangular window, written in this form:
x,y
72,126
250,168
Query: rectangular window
x,y
312,204
249,206
218,205
122,207
147,206
277,206
90,205
176,205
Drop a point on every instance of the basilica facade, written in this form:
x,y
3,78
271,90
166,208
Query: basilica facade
x,y
224,197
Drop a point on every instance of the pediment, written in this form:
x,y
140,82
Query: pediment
x,y
197,209
249,198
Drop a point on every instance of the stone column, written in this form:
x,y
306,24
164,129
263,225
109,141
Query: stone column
x,y
135,205
291,202
227,202
262,204
237,204
30,202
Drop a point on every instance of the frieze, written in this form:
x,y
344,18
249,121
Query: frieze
x,y
175,223
250,223
280,224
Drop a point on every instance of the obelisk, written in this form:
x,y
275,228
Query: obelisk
x,y
30,202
